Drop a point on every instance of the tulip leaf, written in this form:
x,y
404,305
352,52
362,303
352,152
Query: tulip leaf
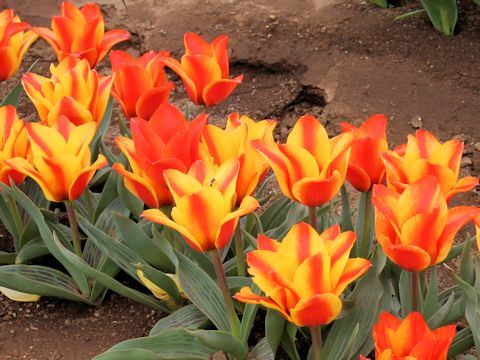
x,y
248,318
274,328
347,223
381,3
236,282
438,318
288,341
262,351
221,341
109,193
7,219
405,288
467,271
31,250
203,292
7,258
431,305
187,317
462,341
442,13
102,129
134,204
477,2
40,280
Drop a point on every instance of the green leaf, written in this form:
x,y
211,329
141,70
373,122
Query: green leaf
x,y
347,223
102,129
467,270
203,292
382,3
134,204
409,13
248,317
405,287
477,2
262,351
439,317
7,258
31,250
274,328
462,341
13,96
109,193
288,341
221,341
431,305
235,282
187,317
442,13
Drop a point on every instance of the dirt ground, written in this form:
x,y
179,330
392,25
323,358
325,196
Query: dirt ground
x,y
341,60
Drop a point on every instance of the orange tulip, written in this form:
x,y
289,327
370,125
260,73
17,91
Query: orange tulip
x,y
167,141
425,155
81,33
14,42
204,70
61,158
304,275
310,168
202,212
13,143
410,339
415,228
74,91
140,85
235,142
365,166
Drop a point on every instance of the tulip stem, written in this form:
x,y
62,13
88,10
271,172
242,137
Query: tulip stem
x,y
239,251
222,284
72,219
316,335
363,225
312,211
414,291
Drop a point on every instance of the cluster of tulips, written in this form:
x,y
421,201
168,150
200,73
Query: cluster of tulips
x,y
205,183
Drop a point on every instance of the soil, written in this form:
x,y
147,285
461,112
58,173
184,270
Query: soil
x,y
339,60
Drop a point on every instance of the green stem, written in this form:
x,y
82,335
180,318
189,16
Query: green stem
x,y
222,284
72,219
239,251
414,291
363,224
17,220
316,334
312,211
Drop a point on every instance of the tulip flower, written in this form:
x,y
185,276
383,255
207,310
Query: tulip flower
x,y
81,33
416,229
204,70
13,143
202,212
410,339
74,91
425,155
61,159
166,141
365,166
14,42
140,85
310,168
304,275
158,292
234,142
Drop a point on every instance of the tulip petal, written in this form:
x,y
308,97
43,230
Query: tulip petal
x,y
247,296
353,269
463,185
138,186
49,36
408,257
18,296
9,61
313,276
180,184
111,38
358,178
219,90
70,108
274,267
315,192
265,243
321,309
84,177
189,84
149,101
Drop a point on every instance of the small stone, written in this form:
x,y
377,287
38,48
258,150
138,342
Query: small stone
x,y
67,322
272,17
460,137
466,161
477,146
417,122
12,332
96,314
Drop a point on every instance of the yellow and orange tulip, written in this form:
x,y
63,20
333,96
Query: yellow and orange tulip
x,y
365,166
410,339
61,158
140,85
13,143
74,91
304,275
416,229
166,141
310,168
425,155
203,209
204,69
235,142
81,33
14,42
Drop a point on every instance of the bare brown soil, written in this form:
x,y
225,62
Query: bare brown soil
x,y
340,60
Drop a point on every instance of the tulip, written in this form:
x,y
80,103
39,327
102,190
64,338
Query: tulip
x,y
81,33
416,229
202,212
140,85
304,275
14,42
310,168
410,339
158,292
61,159
204,70
13,143
425,155
15,295
235,142
74,91
365,166
167,141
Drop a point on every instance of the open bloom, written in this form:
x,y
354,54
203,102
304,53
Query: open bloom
x,y
425,155
416,229
140,85
310,168
13,143
304,275
410,339
81,33
203,209
14,42
166,141
365,166
74,90
235,142
61,159
204,69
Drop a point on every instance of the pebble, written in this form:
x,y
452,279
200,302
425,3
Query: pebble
x,y
417,122
477,146
272,17
466,161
